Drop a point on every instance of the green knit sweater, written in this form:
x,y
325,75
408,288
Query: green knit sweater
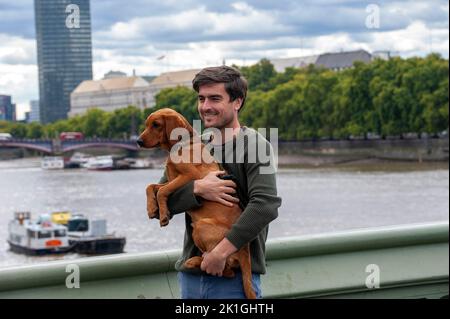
x,y
256,190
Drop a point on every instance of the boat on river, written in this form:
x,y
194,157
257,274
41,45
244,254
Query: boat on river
x,y
100,163
89,236
37,237
52,162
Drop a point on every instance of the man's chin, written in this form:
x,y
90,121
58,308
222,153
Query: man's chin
x,y
209,124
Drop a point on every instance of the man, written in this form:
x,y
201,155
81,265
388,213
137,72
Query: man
x,y
221,95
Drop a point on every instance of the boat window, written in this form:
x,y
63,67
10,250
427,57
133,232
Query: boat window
x,y
44,234
31,234
78,225
60,233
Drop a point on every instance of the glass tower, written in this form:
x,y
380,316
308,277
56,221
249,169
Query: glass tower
x,y
64,50
7,109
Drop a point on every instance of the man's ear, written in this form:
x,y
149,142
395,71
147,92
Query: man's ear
x,y
174,121
238,104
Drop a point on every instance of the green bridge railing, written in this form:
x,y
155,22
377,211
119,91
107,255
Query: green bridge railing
x,y
408,261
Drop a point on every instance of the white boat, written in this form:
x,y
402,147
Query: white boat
x,y
77,160
52,162
139,163
37,238
89,236
105,162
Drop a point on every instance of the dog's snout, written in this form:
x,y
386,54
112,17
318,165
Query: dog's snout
x,y
140,142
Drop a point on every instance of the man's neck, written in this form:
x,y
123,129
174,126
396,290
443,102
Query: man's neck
x,y
225,134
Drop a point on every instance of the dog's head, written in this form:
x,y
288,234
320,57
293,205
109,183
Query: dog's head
x,y
158,127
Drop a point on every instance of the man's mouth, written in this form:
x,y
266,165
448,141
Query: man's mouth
x,y
209,115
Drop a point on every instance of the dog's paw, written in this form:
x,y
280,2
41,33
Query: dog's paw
x,y
152,209
152,213
164,221
193,262
228,273
164,216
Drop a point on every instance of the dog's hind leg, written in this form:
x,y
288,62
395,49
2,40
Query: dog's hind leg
x,y
206,234
193,262
196,261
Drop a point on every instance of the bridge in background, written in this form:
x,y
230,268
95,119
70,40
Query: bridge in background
x,y
57,146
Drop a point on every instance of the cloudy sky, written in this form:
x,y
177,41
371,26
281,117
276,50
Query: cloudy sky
x,y
133,34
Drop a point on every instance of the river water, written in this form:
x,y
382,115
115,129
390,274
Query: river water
x,y
315,201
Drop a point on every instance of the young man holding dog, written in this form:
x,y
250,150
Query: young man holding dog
x,y
221,95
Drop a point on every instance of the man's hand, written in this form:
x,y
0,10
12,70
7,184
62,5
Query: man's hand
x,y
214,261
212,188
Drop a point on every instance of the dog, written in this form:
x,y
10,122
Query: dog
x,y
213,220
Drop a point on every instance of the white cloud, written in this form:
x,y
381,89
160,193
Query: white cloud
x,y
17,50
20,81
197,24
416,39
18,70
201,33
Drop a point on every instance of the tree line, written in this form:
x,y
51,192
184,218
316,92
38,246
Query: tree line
x,y
384,97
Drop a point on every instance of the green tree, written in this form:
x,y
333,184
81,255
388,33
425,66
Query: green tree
x,y
35,130
124,122
260,75
182,99
18,130
93,124
436,109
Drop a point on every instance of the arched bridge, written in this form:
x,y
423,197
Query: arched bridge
x,y
57,146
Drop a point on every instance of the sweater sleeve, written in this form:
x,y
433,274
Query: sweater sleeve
x,y
183,199
263,204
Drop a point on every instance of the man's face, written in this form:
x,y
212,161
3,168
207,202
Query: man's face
x,y
214,106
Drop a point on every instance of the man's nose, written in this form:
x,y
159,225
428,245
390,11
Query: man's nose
x,y
205,104
140,142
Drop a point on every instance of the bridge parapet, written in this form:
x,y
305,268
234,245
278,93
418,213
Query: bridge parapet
x,y
57,146
33,144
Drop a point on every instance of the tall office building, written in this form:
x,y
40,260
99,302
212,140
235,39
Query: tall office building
x,y
34,111
7,109
64,49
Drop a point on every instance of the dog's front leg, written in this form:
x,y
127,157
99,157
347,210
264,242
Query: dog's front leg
x,y
163,195
152,204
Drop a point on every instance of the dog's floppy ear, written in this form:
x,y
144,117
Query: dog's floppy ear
x,y
174,121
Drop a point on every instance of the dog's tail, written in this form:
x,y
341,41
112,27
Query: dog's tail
x,y
246,269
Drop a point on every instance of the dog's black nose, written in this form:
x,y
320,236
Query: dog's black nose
x,y
140,142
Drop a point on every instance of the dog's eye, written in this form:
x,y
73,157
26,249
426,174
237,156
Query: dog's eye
x,y
155,125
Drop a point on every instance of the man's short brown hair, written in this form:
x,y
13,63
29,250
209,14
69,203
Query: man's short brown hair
x,y
235,83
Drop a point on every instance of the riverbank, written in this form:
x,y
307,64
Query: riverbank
x,y
363,152
367,165
370,165
311,154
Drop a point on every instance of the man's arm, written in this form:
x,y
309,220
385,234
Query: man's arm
x,y
262,207
260,211
190,195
